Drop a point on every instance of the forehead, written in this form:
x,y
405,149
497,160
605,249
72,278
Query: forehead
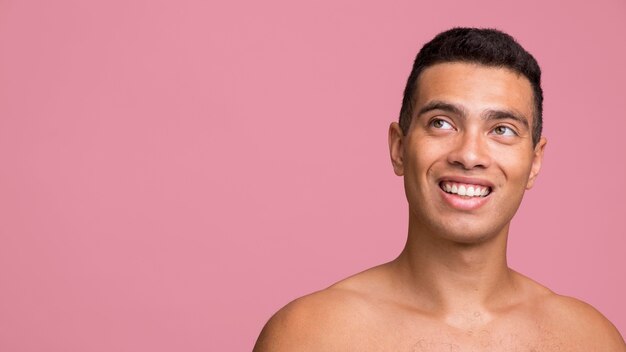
x,y
476,87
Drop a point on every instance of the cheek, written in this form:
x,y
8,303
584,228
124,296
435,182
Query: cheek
x,y
416,172
515,166
516,181
420,167
427,152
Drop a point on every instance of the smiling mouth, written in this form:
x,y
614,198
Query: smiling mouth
x,y
465,189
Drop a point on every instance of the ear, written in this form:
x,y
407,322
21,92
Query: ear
x,y
396,148
537,160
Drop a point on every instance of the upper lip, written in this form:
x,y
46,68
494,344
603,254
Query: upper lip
x,y
468,180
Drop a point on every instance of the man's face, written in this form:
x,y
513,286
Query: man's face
x,y
468,155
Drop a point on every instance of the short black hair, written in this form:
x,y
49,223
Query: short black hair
x,y
489,47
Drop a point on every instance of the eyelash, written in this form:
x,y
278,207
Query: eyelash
x,y
438,120
508,128
433,121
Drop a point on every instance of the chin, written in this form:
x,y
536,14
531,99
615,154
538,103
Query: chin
x,y
467,238
473,233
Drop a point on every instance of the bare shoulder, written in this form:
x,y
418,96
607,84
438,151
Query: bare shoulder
x,y
319,321
312,323
580,323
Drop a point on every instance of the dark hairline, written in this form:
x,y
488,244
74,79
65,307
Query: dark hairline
x,y
481,46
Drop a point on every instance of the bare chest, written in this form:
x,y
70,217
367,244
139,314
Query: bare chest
x,y
442,339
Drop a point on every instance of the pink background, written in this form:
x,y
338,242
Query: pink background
x,y
173,172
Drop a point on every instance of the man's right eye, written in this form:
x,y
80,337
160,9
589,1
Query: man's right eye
x,y
441,124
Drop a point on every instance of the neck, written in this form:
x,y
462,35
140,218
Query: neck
x,y
450,276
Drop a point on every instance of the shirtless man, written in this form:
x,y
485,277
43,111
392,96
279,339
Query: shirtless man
x,y
468,145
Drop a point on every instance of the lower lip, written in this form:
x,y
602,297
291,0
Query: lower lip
x,y
463,202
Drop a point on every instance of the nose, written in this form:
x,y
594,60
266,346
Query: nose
x,y
470,151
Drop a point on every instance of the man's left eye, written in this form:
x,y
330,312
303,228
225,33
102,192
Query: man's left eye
x,y
504,131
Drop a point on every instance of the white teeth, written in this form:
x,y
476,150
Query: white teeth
x,y
463,190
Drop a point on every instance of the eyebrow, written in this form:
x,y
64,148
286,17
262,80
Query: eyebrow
x,y
488,114
444,106
505,114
